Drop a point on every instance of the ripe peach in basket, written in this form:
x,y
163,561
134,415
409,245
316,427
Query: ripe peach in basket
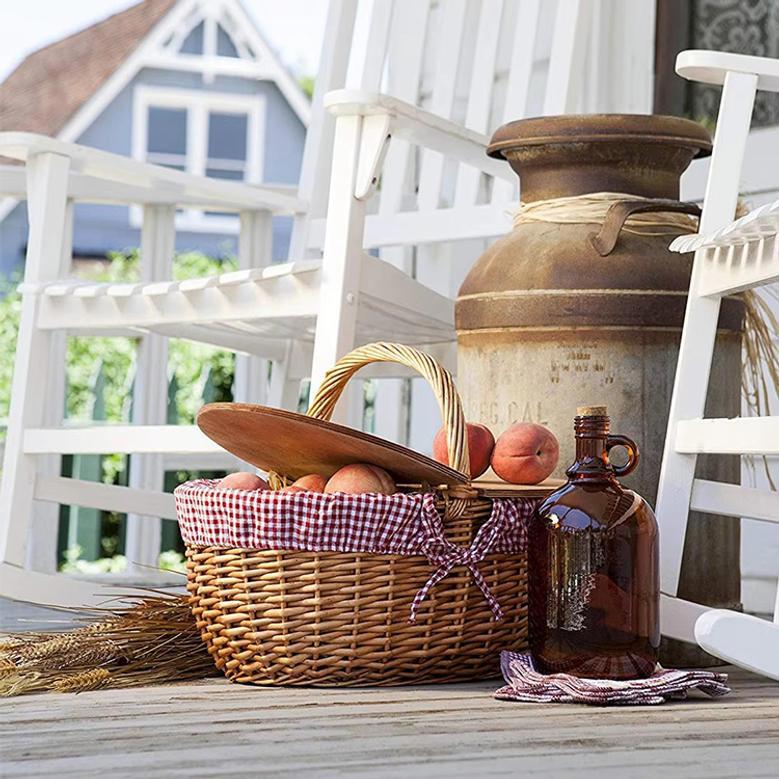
x,y
480,445
243,481
311,482
359,478
526,453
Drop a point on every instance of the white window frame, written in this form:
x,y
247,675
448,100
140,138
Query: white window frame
x,y
199,104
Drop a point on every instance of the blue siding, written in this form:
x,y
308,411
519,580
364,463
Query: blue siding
x,y
13,240
101,228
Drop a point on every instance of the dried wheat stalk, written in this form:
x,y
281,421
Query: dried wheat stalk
x,y
154,640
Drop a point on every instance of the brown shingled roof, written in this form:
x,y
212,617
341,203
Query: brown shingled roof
x,y
51,84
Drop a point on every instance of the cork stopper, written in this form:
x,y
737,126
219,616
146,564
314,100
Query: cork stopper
x,y
592,411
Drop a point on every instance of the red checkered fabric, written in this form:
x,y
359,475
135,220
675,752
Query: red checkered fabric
x,y
379,524
524,683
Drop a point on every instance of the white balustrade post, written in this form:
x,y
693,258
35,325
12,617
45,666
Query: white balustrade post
x,y
47,189
150,394
255,247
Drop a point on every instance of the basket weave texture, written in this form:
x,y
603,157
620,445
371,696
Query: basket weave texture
x,y
337,616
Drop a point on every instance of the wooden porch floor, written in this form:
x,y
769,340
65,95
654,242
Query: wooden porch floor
x,y
214,728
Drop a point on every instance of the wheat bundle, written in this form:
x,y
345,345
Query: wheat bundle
x,y
152,640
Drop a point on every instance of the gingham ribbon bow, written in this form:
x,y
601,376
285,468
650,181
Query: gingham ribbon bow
x,y
445,555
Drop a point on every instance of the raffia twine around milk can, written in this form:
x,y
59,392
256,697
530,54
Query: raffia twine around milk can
x,y
583,303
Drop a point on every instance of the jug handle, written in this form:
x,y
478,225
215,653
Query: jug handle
x,y
633,453
606,238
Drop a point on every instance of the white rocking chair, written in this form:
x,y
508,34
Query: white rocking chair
x,y
729,257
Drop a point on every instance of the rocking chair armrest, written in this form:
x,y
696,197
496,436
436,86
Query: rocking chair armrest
x,y
422,128
100,176
711,67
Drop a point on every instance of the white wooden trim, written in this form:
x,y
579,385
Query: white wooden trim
x,y
209,44
57,589
744,435
733,500
285,291
418,227
89,189
182,32
421,127
747,641
214,66
677,617
442,100
569,45
105,497
143,534
108,167
315,166
105,439
713,67
481,92
376,44
340,285
42,549
405,59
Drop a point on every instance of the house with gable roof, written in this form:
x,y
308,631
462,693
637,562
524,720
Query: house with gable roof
x,y
190,84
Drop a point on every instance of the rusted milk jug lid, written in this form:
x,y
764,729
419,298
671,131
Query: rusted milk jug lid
x,y
600,128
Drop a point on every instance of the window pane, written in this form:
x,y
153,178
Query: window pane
x,y
221,173
168,130
227,136
167,160
224,44
193,43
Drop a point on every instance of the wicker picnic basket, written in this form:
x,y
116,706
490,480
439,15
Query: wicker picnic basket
x,y
297,616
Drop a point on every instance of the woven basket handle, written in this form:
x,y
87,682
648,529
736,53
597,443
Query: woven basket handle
x,y
438,377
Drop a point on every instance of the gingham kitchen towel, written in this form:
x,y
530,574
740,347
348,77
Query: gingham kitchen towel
x,y
399,524
525,683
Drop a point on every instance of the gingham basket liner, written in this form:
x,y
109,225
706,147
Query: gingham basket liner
x,y
399,524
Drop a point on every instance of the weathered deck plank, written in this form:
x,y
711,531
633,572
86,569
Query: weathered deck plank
x,y
213,727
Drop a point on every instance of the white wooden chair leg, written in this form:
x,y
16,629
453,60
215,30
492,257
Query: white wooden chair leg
x,y
47,183
42,551
337,320
392,399
700,327
284,392
746,641
255,247
391,407
144,533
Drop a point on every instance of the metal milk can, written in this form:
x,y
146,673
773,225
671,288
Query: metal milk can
x,y
570,309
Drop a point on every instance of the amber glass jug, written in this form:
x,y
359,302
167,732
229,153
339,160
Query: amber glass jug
x,y
593,556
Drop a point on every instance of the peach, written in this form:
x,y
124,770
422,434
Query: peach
x,y
293,488
361,477
312,481
481,442
243,481
526,453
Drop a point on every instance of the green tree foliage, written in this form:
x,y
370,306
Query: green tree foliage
x,y
307,85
